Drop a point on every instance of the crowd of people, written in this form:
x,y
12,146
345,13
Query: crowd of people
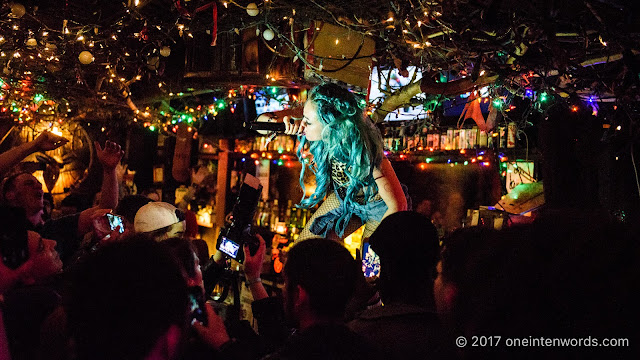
x,y
137,290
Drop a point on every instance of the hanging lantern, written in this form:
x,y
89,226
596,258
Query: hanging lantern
x,y
252,9
268,34
165,51
153,63
18,10
86,57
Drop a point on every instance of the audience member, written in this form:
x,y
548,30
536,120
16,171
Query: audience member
x,y
128,300
570,275
406,326
28,286
159,220
320,277
129,205
25,191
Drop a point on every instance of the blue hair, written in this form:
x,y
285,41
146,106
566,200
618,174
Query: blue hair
x,y
347,137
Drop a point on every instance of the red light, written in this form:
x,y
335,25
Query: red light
x,y
574,108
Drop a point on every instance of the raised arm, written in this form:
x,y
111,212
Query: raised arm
x,y
389,188
109,157
44,142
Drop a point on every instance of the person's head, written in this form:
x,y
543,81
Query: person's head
x,y
465,253
159,220
45,260
186,256
48,261
25,191
129,205
337,128
320,277
127,300
408,246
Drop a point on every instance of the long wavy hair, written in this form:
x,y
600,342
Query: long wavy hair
x,y
347,137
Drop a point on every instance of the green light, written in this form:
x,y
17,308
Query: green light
x,y
274,90
152,128
221,105
280,150
428,160
162,113
280,162
183,117
363,102
173,121
38,98
497,103
190,119
180,94
466,162
544,97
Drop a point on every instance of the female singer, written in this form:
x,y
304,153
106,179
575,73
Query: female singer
x,y
349,166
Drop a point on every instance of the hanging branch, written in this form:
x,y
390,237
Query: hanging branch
x,y
428,86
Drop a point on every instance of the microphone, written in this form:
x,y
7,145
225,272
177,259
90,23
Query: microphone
x,y
267,126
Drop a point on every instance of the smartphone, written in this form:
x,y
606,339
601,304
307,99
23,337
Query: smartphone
x,y
107,223
370,261
14,246
229,247
197,311
115,221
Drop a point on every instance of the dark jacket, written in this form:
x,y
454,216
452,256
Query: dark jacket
x,y
402,331
326,342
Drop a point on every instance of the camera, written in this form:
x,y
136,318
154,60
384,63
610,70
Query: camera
x,y
237,232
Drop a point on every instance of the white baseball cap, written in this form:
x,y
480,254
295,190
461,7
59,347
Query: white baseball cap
x,y
156,215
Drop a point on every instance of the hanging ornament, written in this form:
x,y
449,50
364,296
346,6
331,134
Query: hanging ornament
x,y
18,10
32,43
268,34
252,9
153,63
165,51
86,57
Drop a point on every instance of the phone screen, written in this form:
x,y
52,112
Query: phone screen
x,y
370,261
196,305
115,221
229,247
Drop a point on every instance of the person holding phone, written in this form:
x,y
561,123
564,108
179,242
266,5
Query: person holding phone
x,y
355,182
23,190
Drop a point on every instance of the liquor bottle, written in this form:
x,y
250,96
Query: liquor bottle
x,y
300,221
257,217
274,212
264,216
292,223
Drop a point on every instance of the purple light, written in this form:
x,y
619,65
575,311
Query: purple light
x,y
528,93
591,99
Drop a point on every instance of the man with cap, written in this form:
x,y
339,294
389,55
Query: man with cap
x,y
160,220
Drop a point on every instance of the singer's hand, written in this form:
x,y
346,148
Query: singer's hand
x,y
293,126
